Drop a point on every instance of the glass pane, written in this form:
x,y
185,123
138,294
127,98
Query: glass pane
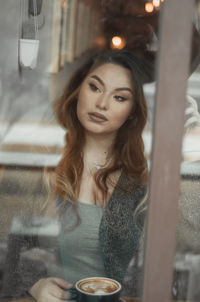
x,y
47,41
187,258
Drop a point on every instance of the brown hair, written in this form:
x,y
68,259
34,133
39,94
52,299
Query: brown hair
x,y
128,148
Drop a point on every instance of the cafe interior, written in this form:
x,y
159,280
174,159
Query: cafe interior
x,y
43,42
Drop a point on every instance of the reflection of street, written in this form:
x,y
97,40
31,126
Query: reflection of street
x,y
32,144
41,145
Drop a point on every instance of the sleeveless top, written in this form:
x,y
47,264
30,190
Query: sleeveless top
x,y
79,246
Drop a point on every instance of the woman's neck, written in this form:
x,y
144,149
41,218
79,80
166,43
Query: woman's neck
x,y
97,149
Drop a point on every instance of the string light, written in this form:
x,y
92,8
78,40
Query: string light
x,y
149,7
156,3
118,42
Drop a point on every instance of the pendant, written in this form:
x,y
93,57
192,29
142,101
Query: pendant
x,y
98,167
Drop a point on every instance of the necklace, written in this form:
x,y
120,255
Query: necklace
x,y
98,167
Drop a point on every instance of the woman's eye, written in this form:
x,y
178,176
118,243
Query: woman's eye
x,y
93,87
120,98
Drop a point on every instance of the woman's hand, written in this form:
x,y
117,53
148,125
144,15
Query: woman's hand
x,y
51,290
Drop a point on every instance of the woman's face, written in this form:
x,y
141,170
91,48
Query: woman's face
x,y
105,99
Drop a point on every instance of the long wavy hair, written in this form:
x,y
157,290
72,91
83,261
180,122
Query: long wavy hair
x,y
128,148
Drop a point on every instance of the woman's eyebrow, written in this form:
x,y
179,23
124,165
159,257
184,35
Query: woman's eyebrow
x,y
98,79
117,89
124,88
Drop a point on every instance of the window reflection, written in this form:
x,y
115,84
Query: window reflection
x,y
186,264
186,276
31,140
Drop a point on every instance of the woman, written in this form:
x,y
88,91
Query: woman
x,y
101,178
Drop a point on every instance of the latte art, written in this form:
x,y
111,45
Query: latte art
x,y
98,286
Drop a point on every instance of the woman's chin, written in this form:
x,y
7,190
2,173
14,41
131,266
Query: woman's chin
x,y
99,132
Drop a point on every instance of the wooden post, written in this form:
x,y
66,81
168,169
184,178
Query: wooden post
x,y
173,69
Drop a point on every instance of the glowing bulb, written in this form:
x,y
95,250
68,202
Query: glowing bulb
x,y
149,7
156,3
117,42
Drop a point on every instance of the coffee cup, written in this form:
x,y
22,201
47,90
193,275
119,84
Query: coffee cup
x,y
98,289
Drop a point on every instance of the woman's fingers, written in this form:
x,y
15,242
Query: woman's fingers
x,y
62,283
56,291
60,289
62,295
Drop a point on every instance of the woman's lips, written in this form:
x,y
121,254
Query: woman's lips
x,y
97,117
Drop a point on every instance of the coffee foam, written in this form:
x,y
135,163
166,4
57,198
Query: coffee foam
x,y
98,286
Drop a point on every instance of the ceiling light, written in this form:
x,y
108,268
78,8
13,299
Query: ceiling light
x,y
156,3
118,42
149,7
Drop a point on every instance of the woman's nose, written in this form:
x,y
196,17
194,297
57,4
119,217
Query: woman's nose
x,y
102,102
